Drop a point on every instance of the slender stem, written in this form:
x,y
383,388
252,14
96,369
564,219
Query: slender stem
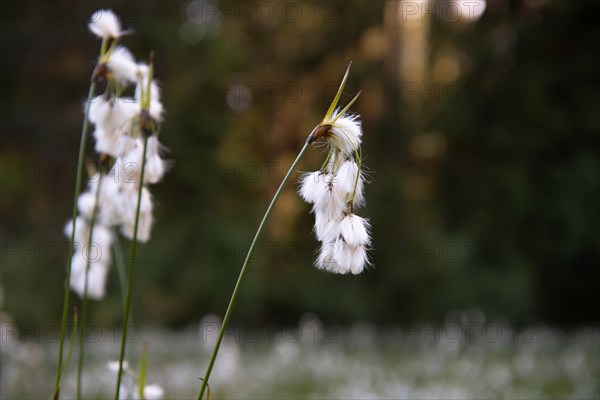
x,y
84,299
73,336
143,370
131,270
119,249
78,178
243,270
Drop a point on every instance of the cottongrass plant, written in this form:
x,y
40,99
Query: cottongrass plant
x,y
117,199
334,191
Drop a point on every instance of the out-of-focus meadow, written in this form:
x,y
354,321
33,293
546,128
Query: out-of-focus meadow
x,y
481,142
312,360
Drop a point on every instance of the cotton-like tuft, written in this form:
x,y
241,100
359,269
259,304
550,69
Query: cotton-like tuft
x,y
97,274
153,392
330,202
328,258
129,211
118,134
354,230
105,24
81,229
108,213
312,184
346,134
358,259
334,192
85,204
155,169
106,140
326,229
122,65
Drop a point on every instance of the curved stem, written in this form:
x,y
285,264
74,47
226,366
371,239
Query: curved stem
x,y
243,270
131,270
84,299
78,178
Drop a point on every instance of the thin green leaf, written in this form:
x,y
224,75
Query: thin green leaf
x,y
336,99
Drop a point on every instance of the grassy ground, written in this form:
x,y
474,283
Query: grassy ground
x,y
313,361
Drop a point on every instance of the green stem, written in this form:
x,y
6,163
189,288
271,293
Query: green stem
x,y
119,249
131,270
72,340
78,178
84,299
143,370
243,270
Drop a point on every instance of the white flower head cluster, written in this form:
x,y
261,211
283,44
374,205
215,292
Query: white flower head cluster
x,y
124,129
335,191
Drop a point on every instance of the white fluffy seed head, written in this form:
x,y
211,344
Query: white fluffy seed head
x,y
153,147
129,211
105,24
330,202
346,176
155,165
99,109
124,145
358,259
112,119
326,229
354,230
122,114
96,286
144,227
99,248
129,164
347,134
109,198
334,257
97,254
101,241
153,392
346,184
106,140
359,197
312,184
85,204
338,257
155,169
328,259
130,202
81,230
122,65
156,110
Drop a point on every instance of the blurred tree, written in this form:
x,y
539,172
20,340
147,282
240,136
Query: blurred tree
x,y
485,170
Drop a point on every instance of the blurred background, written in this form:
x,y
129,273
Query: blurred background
x,y
481,139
